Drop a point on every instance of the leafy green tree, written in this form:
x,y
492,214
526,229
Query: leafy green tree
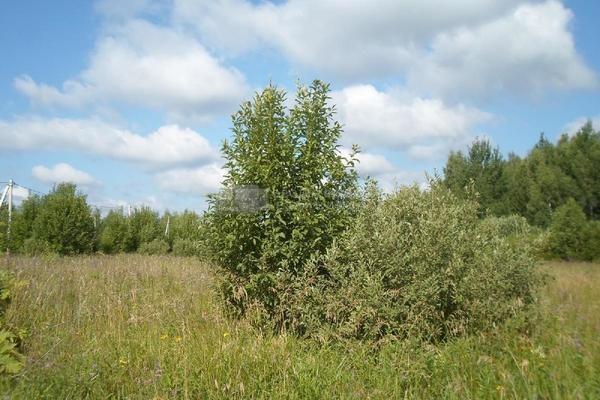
x,y
64,222
567,232
143,227
578,157
114,234
23,221
484,166
550,186
517,180
288,193
591,251
186,234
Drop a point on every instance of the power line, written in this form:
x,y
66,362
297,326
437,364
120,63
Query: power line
x,y
29,189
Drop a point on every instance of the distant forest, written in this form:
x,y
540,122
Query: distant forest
x,y
555,187
533,186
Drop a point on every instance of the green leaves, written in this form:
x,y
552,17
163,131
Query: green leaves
x,y
414,264
11,361
63,223
568,233
292,156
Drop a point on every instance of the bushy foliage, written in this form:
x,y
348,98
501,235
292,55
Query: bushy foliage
x,y
288,194
63,223
11,361
143,227
186,235
591,251
114,233
414,264
155,247
515,229
571,236
187,247
23,219
482,168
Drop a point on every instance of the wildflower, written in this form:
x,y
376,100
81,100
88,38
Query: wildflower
x,y
164,337
123,361
539,352
225,334
178,339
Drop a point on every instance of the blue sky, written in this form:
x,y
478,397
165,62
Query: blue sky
x,y
131,99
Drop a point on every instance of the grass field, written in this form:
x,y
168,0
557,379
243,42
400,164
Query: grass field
x,y
150,327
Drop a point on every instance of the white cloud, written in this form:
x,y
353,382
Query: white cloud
x,y
574,126
374,118
466,47
168,145
20,193
525,52
62,172
378,167
322,33
373,164
73,93
202,180
143,64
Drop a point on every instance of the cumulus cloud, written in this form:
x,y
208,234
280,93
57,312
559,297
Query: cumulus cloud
x,y
201,180
143,64
466,47
385,172
422,127
370,164
62,172
527,51
322,33
73,94
168,145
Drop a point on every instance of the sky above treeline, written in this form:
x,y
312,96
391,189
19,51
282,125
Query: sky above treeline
x,y
131,100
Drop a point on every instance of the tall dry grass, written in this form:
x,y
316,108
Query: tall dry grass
x,y
151,327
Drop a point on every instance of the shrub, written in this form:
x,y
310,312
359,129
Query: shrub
x,y
413,264
143,227
287,196
36,247
186,247
155,247
514,228
64,222
114,233
567,232
591,250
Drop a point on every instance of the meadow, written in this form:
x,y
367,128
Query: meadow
x,y
151,327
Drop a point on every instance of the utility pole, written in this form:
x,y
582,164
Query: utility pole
x,y
167,228
10,197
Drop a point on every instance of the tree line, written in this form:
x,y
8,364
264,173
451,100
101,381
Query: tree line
x,y
62,222
555,187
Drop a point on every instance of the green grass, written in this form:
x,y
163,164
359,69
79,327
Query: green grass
x,y
150,327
